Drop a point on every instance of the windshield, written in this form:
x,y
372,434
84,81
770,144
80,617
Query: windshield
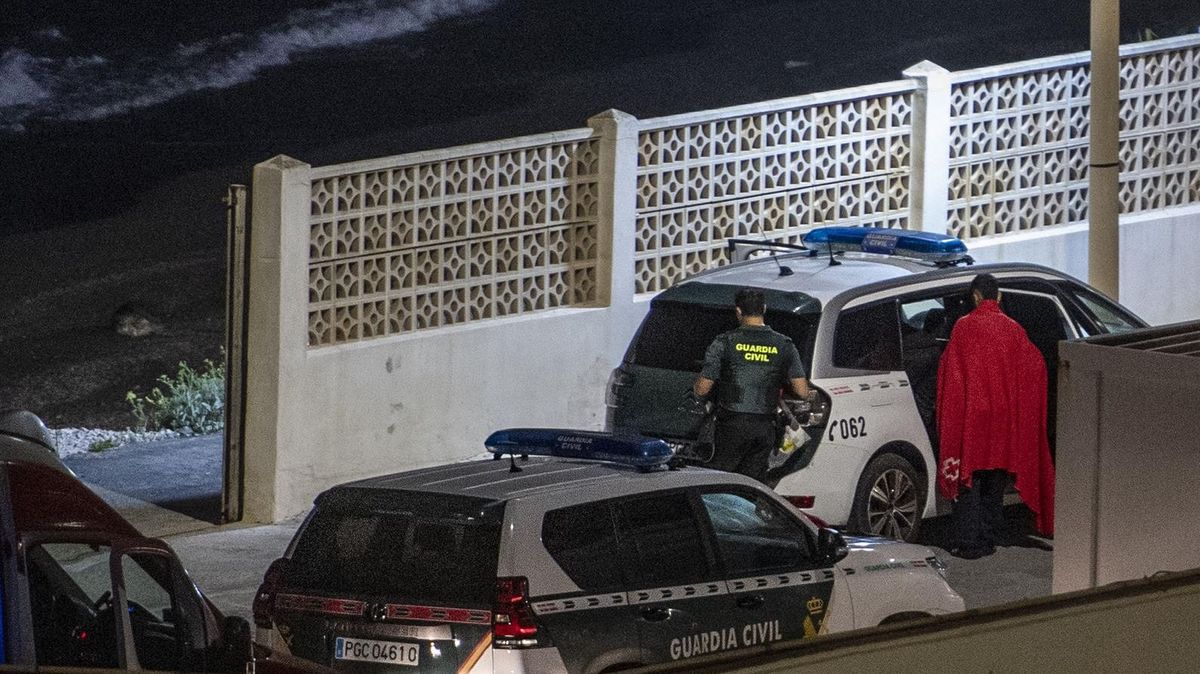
x,y
425,547
675,335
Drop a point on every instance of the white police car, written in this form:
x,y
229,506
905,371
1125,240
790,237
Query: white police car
x,y
586,554
869,310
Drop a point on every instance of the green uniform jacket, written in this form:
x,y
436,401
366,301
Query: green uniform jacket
x,y
750,364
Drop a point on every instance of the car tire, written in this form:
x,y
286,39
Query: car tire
x,y
889,500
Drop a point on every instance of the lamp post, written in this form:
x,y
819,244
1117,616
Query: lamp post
x,y
1104,208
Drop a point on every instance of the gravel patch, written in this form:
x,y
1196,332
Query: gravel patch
x,y
78,440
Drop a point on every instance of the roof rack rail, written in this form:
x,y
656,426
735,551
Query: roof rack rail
x,y
740,250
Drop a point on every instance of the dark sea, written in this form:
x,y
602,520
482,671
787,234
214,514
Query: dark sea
x,y
102,100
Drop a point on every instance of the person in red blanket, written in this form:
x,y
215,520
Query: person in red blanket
x,y
991,417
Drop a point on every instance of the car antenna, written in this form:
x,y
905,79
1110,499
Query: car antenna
x,y
512,461
783,271
833,261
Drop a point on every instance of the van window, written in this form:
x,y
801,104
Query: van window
x,y
164,618
582,539
408,545
70,592
868,338
661,538
675,335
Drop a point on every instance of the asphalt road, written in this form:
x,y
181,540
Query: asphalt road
x,y
182,475
172,489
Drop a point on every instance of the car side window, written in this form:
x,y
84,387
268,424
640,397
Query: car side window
x,y
661,540
868,338
755,535
582,539
71,598
1107,315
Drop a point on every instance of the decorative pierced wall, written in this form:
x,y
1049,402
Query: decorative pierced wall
x,y
446,242
1018,142
772,174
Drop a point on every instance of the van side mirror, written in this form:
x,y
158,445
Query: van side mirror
x,y
236,638
831,546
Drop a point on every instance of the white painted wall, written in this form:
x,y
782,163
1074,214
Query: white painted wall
x,y
1160,257
1128,457
429,399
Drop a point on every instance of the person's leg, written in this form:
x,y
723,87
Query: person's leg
x,y
969,541
758,442
992,484
727,439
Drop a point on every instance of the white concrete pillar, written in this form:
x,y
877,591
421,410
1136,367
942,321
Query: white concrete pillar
x,y
1104,175
277,331
930,182
618,132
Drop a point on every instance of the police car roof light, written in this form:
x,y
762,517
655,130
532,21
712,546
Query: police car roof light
x,y
928,246
631,450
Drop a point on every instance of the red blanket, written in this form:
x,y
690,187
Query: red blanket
x,y
991,409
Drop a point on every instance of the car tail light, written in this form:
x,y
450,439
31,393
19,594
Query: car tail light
x,y
264,599
512,618
821,524
619,379
802,501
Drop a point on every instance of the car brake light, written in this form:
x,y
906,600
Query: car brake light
x,y
821,524
802,501
512,619
619,379
264,599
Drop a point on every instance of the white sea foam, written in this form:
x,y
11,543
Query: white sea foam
x,y
96,86
19,74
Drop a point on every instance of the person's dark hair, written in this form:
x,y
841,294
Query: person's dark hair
x,y
750,301
987,287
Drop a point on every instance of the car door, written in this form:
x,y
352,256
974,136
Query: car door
x,y
1046,324
679,597
10,587
778,587
163,625
95,602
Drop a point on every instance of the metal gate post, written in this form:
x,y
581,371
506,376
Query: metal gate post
x,y
236,306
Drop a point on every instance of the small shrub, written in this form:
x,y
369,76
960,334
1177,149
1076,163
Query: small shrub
x,y
194,400
102,445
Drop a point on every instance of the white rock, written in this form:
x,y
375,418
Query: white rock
x,y
77,440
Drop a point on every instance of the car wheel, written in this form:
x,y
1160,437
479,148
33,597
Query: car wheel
x,y
889,500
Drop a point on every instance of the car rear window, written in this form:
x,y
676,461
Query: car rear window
x,y
422,547
675,335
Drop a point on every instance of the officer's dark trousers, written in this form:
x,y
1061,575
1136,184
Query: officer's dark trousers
x,y
979,512
743,443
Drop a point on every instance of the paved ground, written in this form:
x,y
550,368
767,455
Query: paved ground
x,y
168,489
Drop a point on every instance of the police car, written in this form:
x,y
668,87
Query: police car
x,y
579,552
869,310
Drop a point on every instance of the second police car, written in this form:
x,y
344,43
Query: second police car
x,y
582,552
869,310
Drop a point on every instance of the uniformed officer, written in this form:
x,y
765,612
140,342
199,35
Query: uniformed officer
x,y
749,365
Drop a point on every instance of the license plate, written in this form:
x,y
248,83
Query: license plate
x,y
369,650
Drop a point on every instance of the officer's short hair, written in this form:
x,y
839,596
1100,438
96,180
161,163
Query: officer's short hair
x,y
750,301
987,287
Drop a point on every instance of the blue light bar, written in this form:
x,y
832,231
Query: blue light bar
x,y
899,242
631,450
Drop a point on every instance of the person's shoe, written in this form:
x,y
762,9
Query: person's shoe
x,y
973,552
